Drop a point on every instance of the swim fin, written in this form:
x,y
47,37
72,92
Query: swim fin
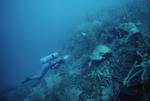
x,y
27,79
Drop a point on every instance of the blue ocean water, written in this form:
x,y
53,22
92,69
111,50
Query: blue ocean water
x,y
33,29
105,41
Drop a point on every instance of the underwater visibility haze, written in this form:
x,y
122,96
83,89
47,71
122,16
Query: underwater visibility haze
x,y
107,41
33,29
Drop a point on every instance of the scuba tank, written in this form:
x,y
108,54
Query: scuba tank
x,y
49,57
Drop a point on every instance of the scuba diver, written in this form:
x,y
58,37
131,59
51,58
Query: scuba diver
x,y
52,61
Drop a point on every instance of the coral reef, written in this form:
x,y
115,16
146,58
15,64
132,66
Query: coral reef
x,y
109,60
100,53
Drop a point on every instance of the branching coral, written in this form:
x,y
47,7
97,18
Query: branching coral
x,y
111,91
37,93
144,70
68,71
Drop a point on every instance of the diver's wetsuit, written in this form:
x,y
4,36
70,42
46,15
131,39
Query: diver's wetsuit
x,y
53,64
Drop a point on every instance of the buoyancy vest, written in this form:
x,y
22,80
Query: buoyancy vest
x,y
49,57
58,60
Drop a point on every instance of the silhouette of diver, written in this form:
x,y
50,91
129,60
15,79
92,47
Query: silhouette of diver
x,y
51,61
